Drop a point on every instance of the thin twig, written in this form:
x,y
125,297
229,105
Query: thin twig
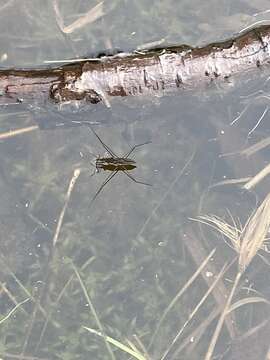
x,y
72,183
259,121
10,296
256,147
257,178
92,15
12,133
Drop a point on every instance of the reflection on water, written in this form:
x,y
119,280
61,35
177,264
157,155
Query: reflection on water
x,y
130,252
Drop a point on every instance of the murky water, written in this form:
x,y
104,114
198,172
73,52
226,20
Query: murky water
x,y
136,246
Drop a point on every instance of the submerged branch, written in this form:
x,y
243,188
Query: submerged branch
x,y
152,72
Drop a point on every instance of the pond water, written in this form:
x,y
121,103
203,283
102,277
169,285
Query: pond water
x,y
117,263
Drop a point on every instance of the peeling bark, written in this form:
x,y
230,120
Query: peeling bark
x,y
153,72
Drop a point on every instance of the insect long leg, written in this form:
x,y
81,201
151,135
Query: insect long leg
x,y
106,147
133,179
103,185
134,147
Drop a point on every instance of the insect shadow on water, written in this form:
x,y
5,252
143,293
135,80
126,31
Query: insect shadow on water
x,y
114,164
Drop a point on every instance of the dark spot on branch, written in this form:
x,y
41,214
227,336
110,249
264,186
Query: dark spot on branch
x,y
178,80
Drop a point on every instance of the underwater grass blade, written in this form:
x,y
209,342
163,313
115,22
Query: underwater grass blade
x,y
195,310
117,344
179,294
93,312
58,299
249,300
13,310
254,234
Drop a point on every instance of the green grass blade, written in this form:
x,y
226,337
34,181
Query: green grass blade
x,y
118,344
13,310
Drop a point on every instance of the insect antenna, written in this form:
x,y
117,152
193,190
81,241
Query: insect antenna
x,y
95,170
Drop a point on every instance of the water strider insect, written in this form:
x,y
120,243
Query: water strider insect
x,y
114,164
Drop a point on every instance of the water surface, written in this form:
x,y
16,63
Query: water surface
x,y
135,246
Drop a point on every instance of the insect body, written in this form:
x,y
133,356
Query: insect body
x,y
114,164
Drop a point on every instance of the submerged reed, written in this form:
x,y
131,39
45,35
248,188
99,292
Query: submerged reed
x,y
246,241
